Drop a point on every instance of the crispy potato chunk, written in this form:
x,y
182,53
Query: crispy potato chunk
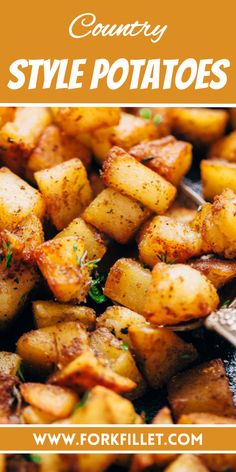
x,y
9,363
55,147
168,240
117,356
161,117
87,371
57,401
217,175
19,137
23,239
225,148
63,262
43,349
160,353
199,124
116,215
16,282
93,242
33,415
78,120
127,283
218,271
167,156
17,200
219,227
48,313
119,320
66,191
131,130
205,418
202,389
178,293
125,174
6,114
185,463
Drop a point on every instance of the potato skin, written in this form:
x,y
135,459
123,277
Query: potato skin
x,y
217,175
127,283
178,293
167,156
124,173
163,238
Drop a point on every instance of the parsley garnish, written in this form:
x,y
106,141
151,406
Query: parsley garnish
x,y
124,347
20,373
9,253
226,304
145,113
164,258
32,458
157,119
82,401
95,291
82,259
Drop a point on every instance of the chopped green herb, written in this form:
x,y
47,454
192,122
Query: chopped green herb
x,y
226,304
9,253
92,264
164,258
145,113
32,458
146,159
157,119
124,347
82,401
81,259
96,290
20,373
75,247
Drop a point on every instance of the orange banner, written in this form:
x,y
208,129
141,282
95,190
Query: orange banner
x,y
131,52
118,438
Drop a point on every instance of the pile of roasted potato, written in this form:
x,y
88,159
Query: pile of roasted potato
x,y
106,261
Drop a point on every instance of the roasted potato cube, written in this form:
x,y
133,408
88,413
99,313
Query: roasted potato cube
x,y
116,355
32,415
19,137
56,401
48,313
168,240
205,418
127,283
124,173
160,353
178,293
17,200
216,176
119,320
16,282
23,239
9,409
116,215
87,371
161,117
9,363
218,271
167,156
78,120
187,463
199,125
43,349
202,389
66,191
225,148
6,114
131,130
219,228
93,242
180,213
63,262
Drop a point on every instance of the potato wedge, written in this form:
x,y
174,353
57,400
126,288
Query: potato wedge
x,y
93,242
127,283
87,371
56,401
168,240
77,120
131,130
187,463
63,262
48,313
117,356
17,200
125,174
66,191
199,125
43,349
23,239
160,353
9,363
167,156
116,215
218,271
202,389
216,176
178,293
